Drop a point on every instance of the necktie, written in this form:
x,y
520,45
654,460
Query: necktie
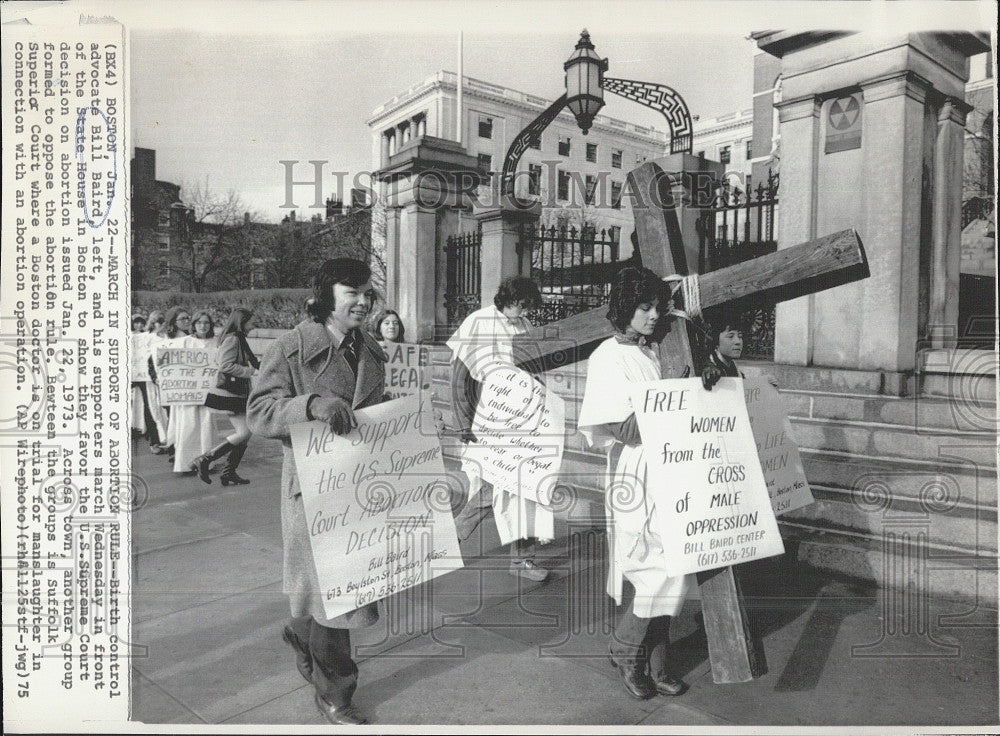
x,y
350,347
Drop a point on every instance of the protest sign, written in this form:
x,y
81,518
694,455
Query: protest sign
x,y
703,473
185,375
779,455
405,371
520,431
139,370
377,503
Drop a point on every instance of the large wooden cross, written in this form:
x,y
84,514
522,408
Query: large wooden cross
x,y
736,654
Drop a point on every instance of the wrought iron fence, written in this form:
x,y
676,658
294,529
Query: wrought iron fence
x,y
573,268
976,208
740,226
464,275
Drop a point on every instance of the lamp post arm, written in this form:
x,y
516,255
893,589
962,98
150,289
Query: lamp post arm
x,y
662,98
520,144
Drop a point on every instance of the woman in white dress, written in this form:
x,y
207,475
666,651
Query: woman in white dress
x,y
482,341
175,328
192,425
157,431
637,578
140,420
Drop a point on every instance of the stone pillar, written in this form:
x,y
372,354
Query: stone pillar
x,y
424,180
946,246
501,231
899,186
799,119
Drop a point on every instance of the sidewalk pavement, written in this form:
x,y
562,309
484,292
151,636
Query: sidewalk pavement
x,y
478,646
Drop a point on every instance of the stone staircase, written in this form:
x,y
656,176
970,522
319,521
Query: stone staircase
x,y
905,488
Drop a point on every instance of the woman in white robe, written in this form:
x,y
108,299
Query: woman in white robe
x,y
483,341
192,425
637,578
158,432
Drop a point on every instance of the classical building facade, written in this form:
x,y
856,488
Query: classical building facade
x,y
579,179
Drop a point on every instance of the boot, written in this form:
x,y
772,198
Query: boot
x,y
229,472
637,682
203,461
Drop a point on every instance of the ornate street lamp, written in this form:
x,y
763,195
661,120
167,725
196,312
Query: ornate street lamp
x,y
585,86
584,77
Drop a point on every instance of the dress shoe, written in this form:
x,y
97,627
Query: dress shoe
x,y
344,715
303,660
637,683
669,685
528,569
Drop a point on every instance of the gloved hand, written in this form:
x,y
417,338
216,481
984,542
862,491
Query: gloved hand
x,y
710,376
335,412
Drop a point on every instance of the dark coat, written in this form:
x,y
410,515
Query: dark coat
x,y
300,363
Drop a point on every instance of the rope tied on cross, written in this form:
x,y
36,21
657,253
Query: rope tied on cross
x,y
690,290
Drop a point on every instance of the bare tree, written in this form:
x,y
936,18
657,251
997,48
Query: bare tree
x,y
214,245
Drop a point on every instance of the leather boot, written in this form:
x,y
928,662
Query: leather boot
x,y
637,682
203,461
232,462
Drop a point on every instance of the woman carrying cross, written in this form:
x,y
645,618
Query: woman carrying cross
x,y
637,578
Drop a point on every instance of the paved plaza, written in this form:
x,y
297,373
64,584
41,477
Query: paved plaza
x,y
481,647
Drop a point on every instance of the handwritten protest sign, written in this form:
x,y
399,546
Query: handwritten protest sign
x,y
139,369
185,375
520,429
377,504
405,373
779,455
703,468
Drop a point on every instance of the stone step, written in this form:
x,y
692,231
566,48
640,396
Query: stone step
x,y
904,564
969,375
878,439
946,521
970,482
921,413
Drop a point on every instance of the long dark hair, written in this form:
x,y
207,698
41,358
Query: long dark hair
x,y
347,271
634,286
518,290
211,323
382,318
237,322
170,328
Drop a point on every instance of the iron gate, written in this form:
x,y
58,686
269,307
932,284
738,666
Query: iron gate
x,y
464,275
740,226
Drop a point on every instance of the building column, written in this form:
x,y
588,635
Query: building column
x,y
501,232
946,240
799,124
892,175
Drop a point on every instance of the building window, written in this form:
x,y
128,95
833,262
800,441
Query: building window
x,y
535,142
534,179
591,182
749,150
164,268
725,154
485,162
616,195
564,146
563,192
616,159
592,152
485,127
163,241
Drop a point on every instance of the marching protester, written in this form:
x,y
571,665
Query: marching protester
x,y
237,365
141,418
158,430
388,328
171,334
637,578
323,369
482,340
192,425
